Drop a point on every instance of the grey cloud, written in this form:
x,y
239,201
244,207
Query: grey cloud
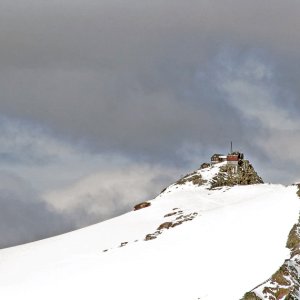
x,y
23,216
252,88
71,188
100,84
135,121
126,77
109,193
27,215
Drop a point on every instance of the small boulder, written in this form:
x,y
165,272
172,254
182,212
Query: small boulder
x,y
142,205
152,236
170,214
123,244
165,225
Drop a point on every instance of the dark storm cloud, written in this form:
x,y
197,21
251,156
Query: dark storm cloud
x,y
165,82
135,77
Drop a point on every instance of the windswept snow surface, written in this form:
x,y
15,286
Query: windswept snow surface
x,y
236,242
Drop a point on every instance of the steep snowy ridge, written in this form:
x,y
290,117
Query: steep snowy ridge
x,y
207,244
285,282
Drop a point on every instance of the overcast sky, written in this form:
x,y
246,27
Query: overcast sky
x,y
103,103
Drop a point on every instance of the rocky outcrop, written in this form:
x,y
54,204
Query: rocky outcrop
x,y
251,296
165,225
142,205
180,219
284,284
194,177
204,166
239,172
298,192
243,174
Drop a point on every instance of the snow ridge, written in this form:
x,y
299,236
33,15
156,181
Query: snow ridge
x,y
209,243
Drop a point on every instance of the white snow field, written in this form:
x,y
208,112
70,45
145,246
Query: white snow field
x,y
236,242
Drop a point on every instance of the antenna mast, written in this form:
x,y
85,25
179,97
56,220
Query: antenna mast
x,y
231,147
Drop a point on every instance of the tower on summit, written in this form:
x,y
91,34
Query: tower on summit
x,y
233,158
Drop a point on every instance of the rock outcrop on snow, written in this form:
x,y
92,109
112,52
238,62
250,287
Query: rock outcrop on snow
x,y
285,282
244,175
298,192
223,174
142,205
178,218
195,178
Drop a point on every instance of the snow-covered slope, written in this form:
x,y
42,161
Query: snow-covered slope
x,y
192,242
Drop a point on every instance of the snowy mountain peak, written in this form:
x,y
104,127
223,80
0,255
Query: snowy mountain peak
x,y
211,235
221,172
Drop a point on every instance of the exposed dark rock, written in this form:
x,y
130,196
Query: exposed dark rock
x,y
165,225
152,236
298,192
142,205
205,165
163,190
250,296
183,180
180,219
280,277
170,214
194,177
293,241
284,283
244,174
123,244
